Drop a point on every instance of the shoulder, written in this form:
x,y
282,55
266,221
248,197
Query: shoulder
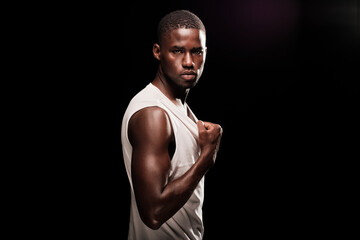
x,y
151,115
150,123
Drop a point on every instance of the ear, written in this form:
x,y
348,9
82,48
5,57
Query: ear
x,y
156,51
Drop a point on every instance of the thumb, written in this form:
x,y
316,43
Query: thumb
x,y
200,125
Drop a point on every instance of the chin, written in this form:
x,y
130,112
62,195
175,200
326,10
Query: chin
x,y
190,84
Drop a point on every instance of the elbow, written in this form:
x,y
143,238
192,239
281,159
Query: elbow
x,y
154,225
151,221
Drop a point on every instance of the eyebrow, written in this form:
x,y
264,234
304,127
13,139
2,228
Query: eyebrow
x,y
197,49
193,49
177,47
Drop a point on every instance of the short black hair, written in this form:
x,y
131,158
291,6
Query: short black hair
x,y
178,19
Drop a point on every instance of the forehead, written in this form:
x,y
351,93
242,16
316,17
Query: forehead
x,y
185,37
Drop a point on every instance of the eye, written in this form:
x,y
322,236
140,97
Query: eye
x,y
198,52
176,51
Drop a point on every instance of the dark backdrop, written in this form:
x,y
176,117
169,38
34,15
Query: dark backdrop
x,y
281,77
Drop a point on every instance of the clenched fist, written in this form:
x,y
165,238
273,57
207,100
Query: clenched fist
x,y
209,139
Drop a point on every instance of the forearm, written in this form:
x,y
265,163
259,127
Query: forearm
x,y
176,193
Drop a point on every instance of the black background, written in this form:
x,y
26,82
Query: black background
x,y
281,78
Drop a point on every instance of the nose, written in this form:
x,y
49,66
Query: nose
x,y
188,61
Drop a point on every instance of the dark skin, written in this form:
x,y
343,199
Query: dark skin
x,y
181,62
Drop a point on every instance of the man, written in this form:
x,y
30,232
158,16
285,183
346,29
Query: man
x,y
166,150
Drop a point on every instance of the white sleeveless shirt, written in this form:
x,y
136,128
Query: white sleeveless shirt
x,y
187,222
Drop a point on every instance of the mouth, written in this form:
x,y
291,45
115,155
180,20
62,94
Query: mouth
x,y
190,75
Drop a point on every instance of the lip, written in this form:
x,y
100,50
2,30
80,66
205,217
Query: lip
x,y
188,75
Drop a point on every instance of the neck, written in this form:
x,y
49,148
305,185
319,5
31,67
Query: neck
x,y
169,89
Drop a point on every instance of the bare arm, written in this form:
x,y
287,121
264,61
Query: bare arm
x,y
150,134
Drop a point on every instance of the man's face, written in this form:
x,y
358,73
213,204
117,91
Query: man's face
x,y
182,56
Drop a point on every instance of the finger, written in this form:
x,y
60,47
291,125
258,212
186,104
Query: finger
x,y
221,130
207,125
